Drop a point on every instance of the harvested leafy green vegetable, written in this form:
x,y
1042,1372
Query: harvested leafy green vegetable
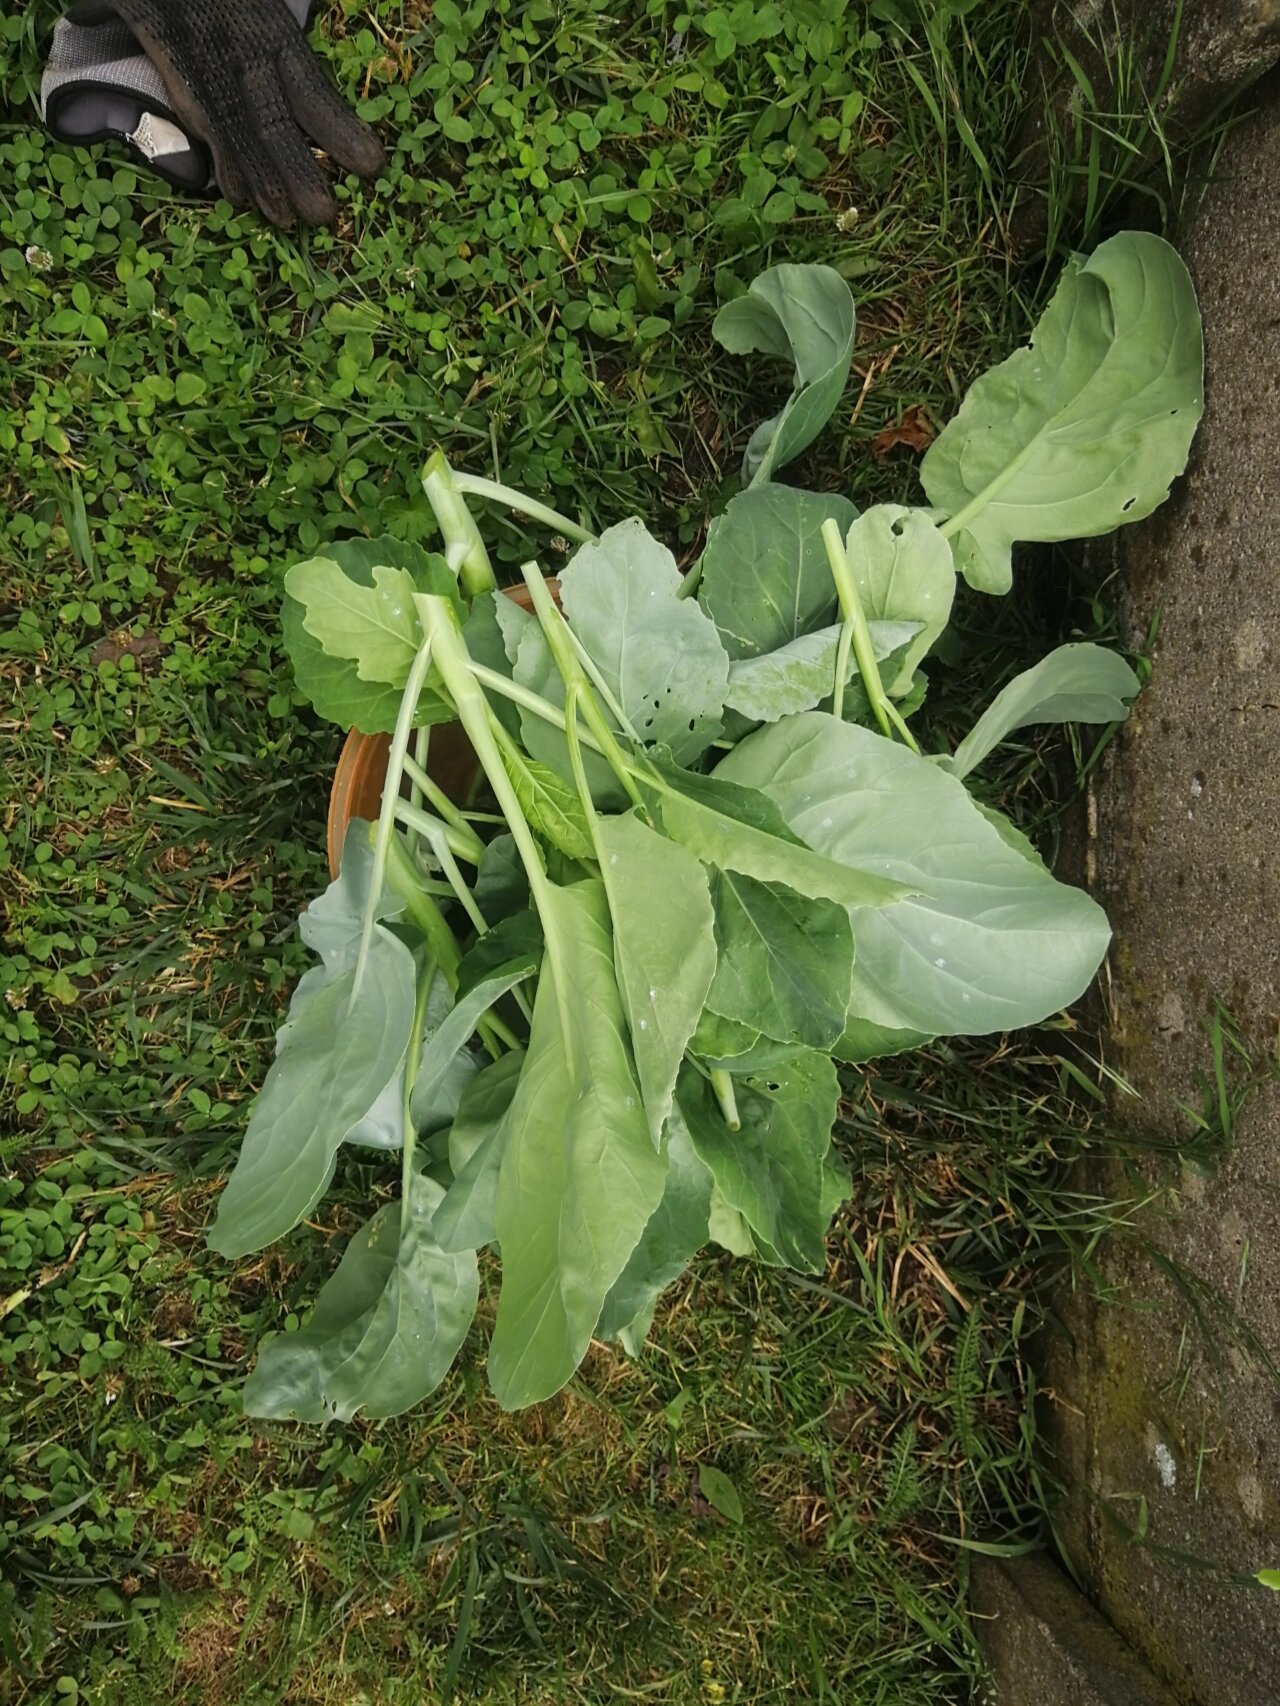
x,y
600,1024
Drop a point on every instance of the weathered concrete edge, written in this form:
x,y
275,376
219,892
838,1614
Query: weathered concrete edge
x,y
1047,1646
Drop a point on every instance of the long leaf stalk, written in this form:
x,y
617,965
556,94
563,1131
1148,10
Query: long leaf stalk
x,y
854,631
464,549
476,486
567,662
390,794
422,994
454,664
462,838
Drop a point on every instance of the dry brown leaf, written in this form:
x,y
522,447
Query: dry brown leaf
x,y
912,428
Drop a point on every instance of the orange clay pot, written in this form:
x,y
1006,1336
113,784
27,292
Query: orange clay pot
x,y
362,763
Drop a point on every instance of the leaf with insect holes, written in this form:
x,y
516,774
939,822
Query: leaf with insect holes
x,y
903,571
803,315
659,653
386,1325
1088,425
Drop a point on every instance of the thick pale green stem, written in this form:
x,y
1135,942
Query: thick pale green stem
x,y
476,486
417,765
390,794
572,673
463,547
722,1084
462,838
855,622
579,768
426,978
402,877
454,665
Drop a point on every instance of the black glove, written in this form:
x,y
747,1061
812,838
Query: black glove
x,y
239,76
99,86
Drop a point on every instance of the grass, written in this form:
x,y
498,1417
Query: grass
x,y
190,402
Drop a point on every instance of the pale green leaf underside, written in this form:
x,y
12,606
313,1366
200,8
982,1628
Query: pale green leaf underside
x,y
332,1068
989,942
800,675
1087,426
677,1230
1075,684
477,1143
386,1326
580,1177
664,950
736,829
803,314
903,570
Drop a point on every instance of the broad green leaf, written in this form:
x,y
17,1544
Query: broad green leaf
x,y
677,1230
1086,427
861,1040
375,626
719,1492
740,829
383,1126
502,884
802,674
331,925
511,940
738,1048
771,1170
1269,1579
335,1063
477,1143
902,567
765,576
784,961
551,805
580,1177
989,941
727,1228
664,950
485,637
385,1329
1075,684
454,1032
332,684
659,653
803,314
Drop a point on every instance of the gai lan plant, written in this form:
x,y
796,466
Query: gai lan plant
x,y
596,1005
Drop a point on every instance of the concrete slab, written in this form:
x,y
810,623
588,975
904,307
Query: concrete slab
x,y
1047,1646
1152,1416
